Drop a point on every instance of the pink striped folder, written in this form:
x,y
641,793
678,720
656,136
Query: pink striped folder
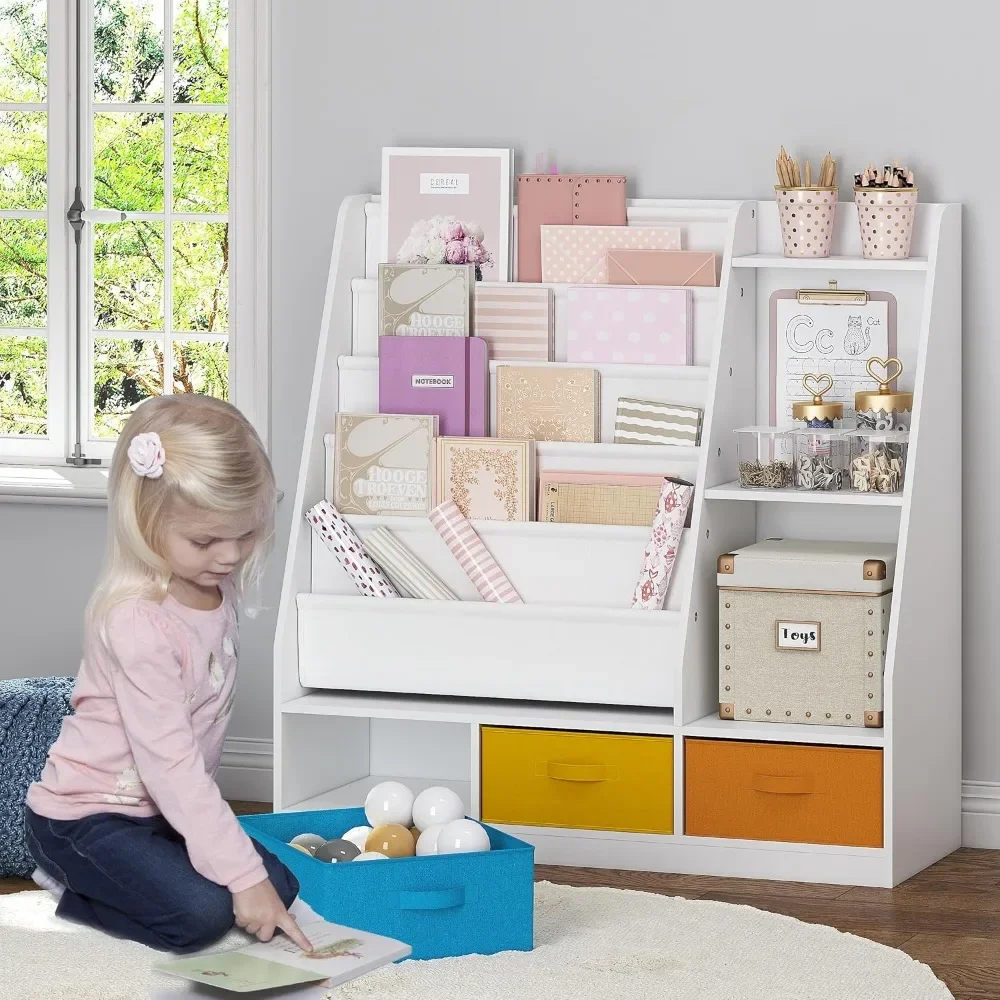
x,y
516,321
467,547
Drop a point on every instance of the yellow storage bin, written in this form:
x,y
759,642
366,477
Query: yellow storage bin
x,y
583,781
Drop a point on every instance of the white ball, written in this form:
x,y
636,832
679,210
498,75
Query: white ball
x,y
462,837
437,806
390,802
372,856
427,842
358,836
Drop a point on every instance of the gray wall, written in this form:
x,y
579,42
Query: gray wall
x,y
690,100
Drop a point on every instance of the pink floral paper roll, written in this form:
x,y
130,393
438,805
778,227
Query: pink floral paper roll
x,y
339,537
467,547
661,550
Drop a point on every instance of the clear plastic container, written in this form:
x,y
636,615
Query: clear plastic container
x,y
765,457
821,459
878,460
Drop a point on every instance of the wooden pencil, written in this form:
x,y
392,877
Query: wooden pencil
x,y
808,175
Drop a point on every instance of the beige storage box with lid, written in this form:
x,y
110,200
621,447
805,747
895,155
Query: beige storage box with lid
x,y
802,631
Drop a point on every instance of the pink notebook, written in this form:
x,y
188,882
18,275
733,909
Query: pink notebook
x,y
447,376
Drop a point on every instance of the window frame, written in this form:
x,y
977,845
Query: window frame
x,y
249,221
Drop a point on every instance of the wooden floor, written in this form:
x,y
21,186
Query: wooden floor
x,y
947,916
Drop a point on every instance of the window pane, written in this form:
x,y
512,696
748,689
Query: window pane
x,y
128,276
22,160
23,45
201,51
22,273
128,161
201,276
125,373
201,162
23,390
202,366
128,51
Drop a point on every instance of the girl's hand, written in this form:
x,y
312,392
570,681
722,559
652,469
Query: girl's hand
x,y
259,910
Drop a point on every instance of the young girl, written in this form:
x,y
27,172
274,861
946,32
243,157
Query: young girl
x,y
126,824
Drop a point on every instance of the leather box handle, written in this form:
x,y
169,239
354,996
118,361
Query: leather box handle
x,y
591,773
774,784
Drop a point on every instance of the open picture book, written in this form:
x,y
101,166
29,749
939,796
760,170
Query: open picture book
x,y
339,955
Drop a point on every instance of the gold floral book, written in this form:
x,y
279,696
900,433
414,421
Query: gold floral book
x,y
488,479
548,403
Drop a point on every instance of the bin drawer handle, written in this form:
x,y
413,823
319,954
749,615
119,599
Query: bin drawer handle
x,y
782,785
576,772
435,899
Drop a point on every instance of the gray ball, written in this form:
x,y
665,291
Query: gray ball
x,y
336,850
310,841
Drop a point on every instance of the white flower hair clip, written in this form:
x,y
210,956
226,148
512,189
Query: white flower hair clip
x,y
146,455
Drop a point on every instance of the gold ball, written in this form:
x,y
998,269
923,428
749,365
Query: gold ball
x,y
304,850
392,840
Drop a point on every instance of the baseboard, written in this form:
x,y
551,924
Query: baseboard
x,y
247,769
248,764
981,814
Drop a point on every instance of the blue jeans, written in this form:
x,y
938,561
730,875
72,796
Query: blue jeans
x,y
132,878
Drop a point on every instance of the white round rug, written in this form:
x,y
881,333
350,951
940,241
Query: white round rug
x,y
603,944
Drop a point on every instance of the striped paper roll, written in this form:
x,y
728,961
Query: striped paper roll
x,y
467,547
641,421
339,537
409,575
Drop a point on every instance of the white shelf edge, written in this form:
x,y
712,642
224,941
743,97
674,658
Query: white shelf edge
x,y
610,370
840,263
536,529
712,727
404,606
683,840
518,715
733,491
707,293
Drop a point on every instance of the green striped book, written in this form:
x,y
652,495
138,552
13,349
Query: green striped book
x,y
641,421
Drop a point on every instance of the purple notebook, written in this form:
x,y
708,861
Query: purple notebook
x,y
448,376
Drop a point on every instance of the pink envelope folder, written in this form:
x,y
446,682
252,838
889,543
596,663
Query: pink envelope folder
x,y
662,267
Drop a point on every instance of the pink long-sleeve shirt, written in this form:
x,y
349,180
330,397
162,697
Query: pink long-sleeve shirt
x,y
148,729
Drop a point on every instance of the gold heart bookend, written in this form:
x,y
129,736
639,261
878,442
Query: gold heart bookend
x,y
817,385
885,364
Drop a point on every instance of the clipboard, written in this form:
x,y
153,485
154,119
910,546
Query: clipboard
x,y
840,349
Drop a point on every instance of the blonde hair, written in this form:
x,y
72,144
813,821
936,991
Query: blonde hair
x,y
215,463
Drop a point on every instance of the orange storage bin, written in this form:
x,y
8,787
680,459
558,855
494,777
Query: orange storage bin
x,y
783,791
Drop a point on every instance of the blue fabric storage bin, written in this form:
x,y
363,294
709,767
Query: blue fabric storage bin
x,y
441,906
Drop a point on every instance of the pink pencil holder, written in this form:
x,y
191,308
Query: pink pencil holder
x,y
806,216
886,219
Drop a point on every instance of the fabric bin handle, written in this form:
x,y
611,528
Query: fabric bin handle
x,y
576,772
434,899
782,785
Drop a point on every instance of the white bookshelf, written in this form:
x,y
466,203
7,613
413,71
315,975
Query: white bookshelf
x,y
368,689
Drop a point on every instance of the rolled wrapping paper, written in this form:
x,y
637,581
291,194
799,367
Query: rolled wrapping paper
x,y
407,573
339,537
661,550
467,547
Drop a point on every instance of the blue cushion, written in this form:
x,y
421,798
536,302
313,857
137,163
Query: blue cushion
x,y
31,714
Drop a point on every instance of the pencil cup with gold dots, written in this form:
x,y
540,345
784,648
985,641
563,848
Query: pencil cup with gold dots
x,y
806,211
